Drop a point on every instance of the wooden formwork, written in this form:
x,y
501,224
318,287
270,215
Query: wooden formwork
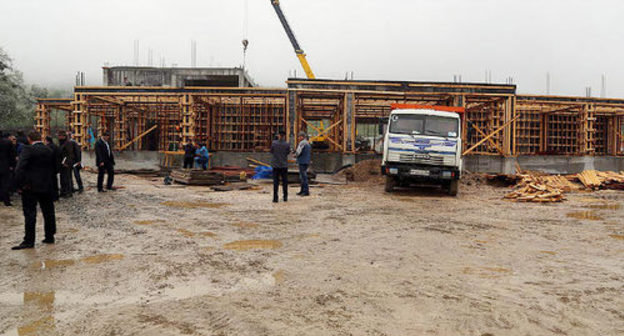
x,y
569,125
353,112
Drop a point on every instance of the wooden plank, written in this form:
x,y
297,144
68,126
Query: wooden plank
x,y
491,135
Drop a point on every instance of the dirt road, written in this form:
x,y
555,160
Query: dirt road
x,y
350,260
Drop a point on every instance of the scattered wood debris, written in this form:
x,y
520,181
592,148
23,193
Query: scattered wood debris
x,y
537,187
533,188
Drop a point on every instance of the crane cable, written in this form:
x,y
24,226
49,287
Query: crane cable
x,y
245,31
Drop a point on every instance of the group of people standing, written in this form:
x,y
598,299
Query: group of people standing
x,y
280,150
31,167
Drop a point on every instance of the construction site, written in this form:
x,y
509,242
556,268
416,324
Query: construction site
x,y
532,244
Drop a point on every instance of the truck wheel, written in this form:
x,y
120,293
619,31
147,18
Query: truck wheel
x,y
390,183
453,187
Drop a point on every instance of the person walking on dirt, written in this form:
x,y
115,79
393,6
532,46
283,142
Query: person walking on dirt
x,y
280,149
303,155
105,161
33,174
77,163
67,163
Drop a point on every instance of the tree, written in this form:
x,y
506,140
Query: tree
x,y
17,103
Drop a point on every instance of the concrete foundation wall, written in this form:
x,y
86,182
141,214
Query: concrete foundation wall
x,y
552,164
330,162
130,160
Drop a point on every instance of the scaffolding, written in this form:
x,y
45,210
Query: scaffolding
x,y
353,115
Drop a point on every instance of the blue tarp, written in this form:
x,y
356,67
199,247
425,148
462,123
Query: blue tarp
x,y
263,172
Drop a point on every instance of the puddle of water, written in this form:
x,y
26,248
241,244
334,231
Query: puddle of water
x,y
245,225
43,304
45,299
186,233
244,245
193,205
148,222
617,236
279,276
50,263
589,215
605,206
98,259
549,252
44,326
190,234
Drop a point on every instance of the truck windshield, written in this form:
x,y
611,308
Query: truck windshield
x,y
423,125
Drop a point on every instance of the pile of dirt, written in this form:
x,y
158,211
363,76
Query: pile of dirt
x,y
363,171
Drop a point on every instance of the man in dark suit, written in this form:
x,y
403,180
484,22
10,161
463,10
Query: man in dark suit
x,y
105,161
57,167
67,164
7,165
77,162
34,180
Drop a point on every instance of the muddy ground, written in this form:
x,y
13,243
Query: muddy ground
x,y
350,260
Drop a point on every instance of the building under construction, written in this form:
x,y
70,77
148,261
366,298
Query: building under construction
x,y
348,115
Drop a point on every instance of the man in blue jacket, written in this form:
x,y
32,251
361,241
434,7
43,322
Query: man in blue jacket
x,y
303,154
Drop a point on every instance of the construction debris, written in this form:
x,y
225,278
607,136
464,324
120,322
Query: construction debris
x,y
594,180
197,177
536,187
533,188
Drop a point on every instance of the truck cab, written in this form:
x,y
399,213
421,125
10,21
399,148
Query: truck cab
x,y
422,144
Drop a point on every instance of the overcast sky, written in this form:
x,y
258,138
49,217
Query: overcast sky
x,y
416,40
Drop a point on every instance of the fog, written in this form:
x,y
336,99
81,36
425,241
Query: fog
x,y
417,40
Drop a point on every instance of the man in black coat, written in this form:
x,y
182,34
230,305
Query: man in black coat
x,y
105,161
7,165
57,167
77,162
33,175
67,164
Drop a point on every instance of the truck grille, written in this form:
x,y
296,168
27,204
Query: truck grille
x,y
421,159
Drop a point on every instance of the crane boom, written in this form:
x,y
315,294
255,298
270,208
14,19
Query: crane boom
x,y
293,40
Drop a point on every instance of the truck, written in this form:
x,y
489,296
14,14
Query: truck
x,y
422,145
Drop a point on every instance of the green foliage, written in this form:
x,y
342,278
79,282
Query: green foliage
x,y
17,101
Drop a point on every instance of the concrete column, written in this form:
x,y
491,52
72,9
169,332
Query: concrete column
x,y
291,116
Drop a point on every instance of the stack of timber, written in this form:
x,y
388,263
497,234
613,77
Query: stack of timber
x,y
197,177
542,189
595,180
536,187
234,173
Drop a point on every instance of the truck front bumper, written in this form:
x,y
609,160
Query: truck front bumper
x,y
420,172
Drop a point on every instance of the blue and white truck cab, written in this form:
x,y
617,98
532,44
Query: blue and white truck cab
x,y
422,144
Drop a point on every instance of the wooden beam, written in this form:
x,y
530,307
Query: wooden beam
x,y
140,136
491,135
500,150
